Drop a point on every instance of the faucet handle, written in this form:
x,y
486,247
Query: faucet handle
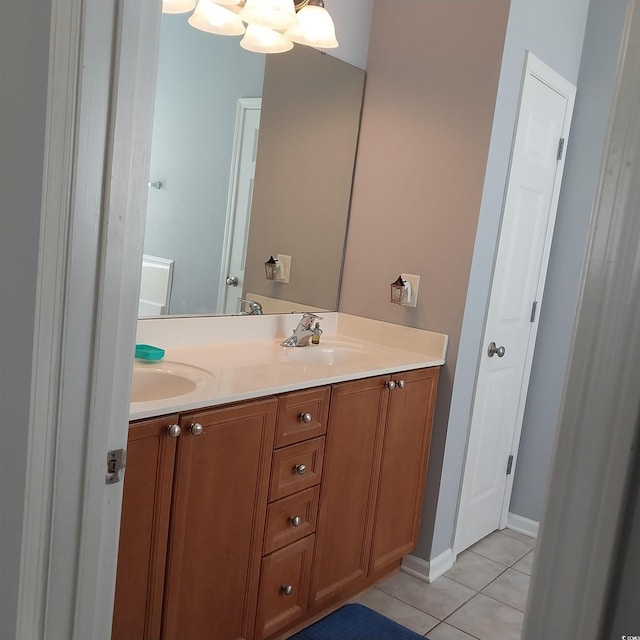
x,y
307,319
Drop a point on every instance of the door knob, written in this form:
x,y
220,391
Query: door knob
x,y
391,385
232,281
287,589
296,521
494,350
305,417
300,469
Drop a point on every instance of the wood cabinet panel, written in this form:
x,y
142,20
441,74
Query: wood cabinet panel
x,y
288,568
347,496
219,504
281,528
291,427
144,530
289,475
403,467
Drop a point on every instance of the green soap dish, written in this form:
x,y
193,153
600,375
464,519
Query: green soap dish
x,y
149,352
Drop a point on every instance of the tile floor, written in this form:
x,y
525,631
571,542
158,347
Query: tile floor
x,y
481,598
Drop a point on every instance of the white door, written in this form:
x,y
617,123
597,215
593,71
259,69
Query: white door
x,y
243,166
530,206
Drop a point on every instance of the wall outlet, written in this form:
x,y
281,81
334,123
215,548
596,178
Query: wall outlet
x,y
414,281
285,262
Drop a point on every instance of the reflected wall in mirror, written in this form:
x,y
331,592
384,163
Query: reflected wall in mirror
x,y
309,126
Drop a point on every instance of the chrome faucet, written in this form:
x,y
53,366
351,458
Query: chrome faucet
x,y
304,331
255,308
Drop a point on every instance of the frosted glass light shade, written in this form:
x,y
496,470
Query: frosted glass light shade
x,y
315,28
178,6
275,14
212,18
264,40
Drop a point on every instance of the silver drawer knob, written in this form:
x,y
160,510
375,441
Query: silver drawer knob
x,y
174,431
287,589
296,521
196,429
305,417
401,384
391,385
300,469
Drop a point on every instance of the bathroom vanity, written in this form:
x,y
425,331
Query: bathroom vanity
x,y
282,489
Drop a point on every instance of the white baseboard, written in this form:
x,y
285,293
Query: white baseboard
x,y
427,570
523,525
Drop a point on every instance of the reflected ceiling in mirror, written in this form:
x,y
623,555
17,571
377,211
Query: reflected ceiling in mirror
x,y
303,171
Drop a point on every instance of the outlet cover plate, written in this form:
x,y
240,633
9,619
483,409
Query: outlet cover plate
x,y
285,261
414,281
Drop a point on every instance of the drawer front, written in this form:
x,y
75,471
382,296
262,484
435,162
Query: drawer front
x,y
284,586
291,518
296,468
302,415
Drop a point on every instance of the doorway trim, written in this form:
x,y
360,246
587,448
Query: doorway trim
x,y
97,146
533,68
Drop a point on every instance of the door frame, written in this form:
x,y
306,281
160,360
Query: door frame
x,y
535,68
244,105
97,150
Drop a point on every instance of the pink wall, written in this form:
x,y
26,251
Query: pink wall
x,y
432,77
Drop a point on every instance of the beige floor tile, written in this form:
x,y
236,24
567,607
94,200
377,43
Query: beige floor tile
x,y
488,619
511,588
525,565
531,541
438,599
445,631
474,571
501,548
400,612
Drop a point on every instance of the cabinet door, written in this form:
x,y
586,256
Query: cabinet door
x,y
347,496
404,463
219,503
144,529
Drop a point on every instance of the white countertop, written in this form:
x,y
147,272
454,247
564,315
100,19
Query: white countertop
x,y
239,368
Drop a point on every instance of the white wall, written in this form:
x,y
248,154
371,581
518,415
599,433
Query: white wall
x,y
24,57
352,19
553,30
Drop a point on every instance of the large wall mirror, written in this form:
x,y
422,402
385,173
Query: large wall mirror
x,y
252,156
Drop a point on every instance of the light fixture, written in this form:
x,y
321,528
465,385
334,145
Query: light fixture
x,y
261,39
178,6
315,27
275,14
211,17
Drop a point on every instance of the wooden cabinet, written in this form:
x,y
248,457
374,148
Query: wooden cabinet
x,y
373,481
263,514
218,511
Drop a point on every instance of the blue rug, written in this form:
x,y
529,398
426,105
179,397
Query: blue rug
x,y
356,622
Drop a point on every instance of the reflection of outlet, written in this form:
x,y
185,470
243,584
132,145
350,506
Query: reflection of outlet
x,y
285,263
414,282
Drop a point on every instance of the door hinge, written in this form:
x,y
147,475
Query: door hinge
x,y
534,309
115,464
560,149
510,465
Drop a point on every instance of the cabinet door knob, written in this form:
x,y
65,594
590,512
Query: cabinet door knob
x,y
300,469
391,385
174,431
196,429
287,589
296,521
401,384
305,417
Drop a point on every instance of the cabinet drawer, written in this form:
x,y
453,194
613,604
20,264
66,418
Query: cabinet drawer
x,y
296,468
291,518
284,586
302,415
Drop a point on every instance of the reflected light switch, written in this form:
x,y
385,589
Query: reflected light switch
x,y
414,282
285,261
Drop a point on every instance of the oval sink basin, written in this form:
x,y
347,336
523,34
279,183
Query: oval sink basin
x,y
166,380
328,354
